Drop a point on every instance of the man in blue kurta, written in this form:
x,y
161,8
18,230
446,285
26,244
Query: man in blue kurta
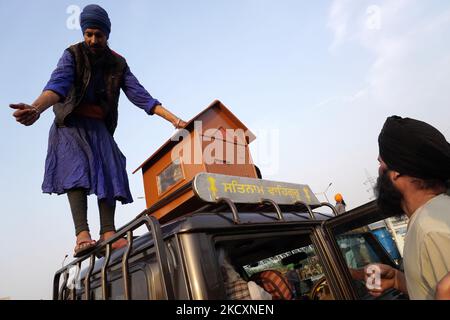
x,y
82,156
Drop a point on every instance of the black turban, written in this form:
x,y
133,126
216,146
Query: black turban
x,y
414,148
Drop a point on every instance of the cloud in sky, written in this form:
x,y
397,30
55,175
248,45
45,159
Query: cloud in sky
x,y
407,73
411,58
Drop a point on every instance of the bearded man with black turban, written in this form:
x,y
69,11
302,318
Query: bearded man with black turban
x,y
413,179
82,157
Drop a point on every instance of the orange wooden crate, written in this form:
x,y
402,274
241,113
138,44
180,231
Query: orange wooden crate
x,y
168,173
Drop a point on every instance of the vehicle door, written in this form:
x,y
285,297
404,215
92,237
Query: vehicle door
x,y
352,241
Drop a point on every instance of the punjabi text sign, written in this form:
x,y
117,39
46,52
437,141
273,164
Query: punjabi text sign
x,y
210,187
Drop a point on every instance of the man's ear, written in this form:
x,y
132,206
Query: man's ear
x,y
394,175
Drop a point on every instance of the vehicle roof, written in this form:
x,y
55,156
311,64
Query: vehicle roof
x,y
219,220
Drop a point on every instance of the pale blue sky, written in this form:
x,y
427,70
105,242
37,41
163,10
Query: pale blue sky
x,y
319,76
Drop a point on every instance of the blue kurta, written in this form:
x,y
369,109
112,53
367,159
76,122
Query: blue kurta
x,y
83,154
63,77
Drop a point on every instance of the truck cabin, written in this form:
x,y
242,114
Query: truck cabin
x,y
260,242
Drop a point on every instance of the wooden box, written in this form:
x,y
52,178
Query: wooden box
x,y
214,141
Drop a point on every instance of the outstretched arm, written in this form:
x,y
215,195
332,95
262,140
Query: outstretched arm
x,y
140,97
169,116
57,87
28,114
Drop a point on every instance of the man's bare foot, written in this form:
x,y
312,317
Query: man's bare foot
x,y
120,243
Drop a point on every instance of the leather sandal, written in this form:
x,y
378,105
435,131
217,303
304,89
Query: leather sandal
x,y
83,247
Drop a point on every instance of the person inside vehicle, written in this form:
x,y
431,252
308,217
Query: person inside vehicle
x,y
235,286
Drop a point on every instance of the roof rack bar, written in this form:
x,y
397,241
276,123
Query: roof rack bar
x,y
64,284
275,205
311,213
125,267
153,225
233,208
56,278
104,271
87,278
326,204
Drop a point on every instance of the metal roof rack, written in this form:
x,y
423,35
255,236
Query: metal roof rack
x,y
280,217
153,226
251,203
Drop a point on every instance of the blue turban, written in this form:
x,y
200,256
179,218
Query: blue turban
x,y
94,16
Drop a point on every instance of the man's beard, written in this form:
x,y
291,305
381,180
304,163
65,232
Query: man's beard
x,y
97,51
389,199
